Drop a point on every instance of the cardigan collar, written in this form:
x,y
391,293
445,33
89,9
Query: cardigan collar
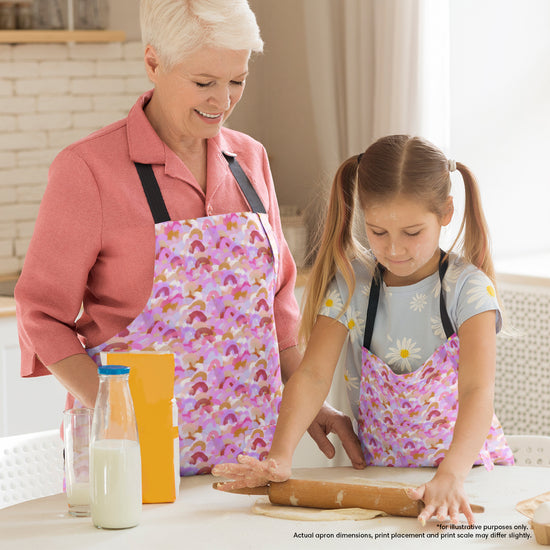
x,y
146,147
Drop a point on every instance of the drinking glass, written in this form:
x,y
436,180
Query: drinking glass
x,y
77,424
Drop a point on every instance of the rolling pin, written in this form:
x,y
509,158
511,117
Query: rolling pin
x,y
329,495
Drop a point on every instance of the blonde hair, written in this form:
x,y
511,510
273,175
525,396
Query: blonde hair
x,y
397,165
177,28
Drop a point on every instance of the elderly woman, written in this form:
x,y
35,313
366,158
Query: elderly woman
x,y
162,231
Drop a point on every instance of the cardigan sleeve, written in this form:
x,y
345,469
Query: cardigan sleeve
x,y
65,245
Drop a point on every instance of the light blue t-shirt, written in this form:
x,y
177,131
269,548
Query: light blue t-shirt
x,y
408,327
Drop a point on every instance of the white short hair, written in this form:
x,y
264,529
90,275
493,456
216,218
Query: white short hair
x,y
177,28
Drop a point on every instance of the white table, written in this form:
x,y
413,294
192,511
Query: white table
x,y
203,518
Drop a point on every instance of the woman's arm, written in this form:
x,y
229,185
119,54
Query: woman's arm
x,y
78,374
65,245
303,397
444,495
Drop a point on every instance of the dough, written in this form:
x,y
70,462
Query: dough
x,y
297,513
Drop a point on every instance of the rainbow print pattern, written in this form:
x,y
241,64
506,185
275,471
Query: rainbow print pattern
x,y
211,305
408,419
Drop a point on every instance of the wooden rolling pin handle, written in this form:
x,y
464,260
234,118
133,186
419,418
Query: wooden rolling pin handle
x,y
477,509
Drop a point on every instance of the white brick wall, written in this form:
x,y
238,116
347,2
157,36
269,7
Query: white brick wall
x,y
50,96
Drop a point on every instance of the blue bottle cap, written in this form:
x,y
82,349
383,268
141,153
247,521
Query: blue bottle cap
x,y
113,369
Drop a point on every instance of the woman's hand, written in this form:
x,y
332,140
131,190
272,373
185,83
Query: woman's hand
x,y
250,472
330,420
443,497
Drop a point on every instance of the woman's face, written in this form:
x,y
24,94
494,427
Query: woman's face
x,y
195,97
404,237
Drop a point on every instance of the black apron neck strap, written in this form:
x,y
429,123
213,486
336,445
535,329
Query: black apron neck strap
x,y
158,206
374,296
244,183
445,320
152,192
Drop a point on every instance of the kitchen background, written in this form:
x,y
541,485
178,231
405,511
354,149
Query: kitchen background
x,y
486,78
472,75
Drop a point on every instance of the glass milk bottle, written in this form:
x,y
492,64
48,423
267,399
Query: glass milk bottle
x,y
115,460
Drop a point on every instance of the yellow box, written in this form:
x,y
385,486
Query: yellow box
x,y
152,386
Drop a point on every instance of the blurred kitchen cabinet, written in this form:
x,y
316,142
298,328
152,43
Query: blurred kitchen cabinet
x,y
26,404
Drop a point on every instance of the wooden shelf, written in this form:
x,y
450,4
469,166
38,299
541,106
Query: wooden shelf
x,y
46,36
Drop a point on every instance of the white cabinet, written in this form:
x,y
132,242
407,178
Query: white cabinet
x,y
26,404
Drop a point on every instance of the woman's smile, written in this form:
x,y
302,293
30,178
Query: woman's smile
x,y
210,118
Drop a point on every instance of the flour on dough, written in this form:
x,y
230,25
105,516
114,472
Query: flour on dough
x,y
297,513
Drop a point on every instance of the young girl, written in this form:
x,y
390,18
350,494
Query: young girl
x,y
405,308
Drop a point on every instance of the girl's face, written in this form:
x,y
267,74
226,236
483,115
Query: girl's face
x,y
404,237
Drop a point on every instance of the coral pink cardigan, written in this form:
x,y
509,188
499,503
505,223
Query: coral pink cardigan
x,y
94,239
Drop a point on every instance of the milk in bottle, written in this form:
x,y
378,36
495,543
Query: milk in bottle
x,y
115,460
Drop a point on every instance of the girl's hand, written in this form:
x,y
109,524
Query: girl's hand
x,y
250,472
443,497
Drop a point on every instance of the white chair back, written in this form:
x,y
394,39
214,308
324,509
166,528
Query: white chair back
x,y
31,466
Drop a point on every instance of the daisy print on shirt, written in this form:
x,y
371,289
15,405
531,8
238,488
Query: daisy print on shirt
x,y
480,293
356,326
437,327
352,382
333,300
418,302
400,356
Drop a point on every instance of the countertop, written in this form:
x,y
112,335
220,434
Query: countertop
x,y
203,518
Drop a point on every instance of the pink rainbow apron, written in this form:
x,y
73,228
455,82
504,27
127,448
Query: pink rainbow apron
x,y
211,305
407,420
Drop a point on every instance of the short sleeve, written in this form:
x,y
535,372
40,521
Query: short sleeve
x,y
333,303
476,295
353,318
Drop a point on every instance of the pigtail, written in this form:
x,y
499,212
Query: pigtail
x,y
337,246
476,245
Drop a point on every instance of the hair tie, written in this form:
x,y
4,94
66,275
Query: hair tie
x,y
359,157
452,165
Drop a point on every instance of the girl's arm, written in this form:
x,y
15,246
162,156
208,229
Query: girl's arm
x,y
328,420
303,397
444,495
